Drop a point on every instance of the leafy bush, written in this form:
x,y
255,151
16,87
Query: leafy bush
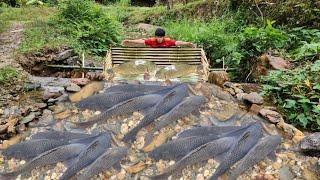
x,y
90,27
7,74
297,93
219,38
304,43
255,41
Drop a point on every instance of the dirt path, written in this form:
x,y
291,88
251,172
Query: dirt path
x,y
9,42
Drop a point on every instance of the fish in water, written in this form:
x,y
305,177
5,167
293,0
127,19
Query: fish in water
x,y
104,101
176,71
202,153
206,130
265,147
170,100
184,108
134,88
239,149
88,155
104,162
59,154
178,148
135,67
60,135
124,108
30,149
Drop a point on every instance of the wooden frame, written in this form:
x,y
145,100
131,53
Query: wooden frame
x,y
160,56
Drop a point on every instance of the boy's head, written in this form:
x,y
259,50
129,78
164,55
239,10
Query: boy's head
x,y
160,34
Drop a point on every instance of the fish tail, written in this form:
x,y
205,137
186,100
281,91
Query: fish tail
x,y
131,135
85,123
7,176
148,138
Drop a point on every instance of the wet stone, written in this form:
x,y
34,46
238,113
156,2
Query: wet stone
x,y
73,88
285,173
253,98
31,86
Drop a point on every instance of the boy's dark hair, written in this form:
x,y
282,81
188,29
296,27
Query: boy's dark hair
x,y
160,32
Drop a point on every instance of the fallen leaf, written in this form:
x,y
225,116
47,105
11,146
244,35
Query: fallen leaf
x,y
136,168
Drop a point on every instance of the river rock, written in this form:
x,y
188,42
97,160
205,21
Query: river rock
x,y
73,88
219,93
80,81
30,117
272,116
311,142
253,98
64,55
31,86
285,173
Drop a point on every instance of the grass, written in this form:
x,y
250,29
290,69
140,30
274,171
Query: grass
x,y
41,34
7,74
26,14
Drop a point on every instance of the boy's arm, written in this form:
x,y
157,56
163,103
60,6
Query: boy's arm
x,y
135,41
182,43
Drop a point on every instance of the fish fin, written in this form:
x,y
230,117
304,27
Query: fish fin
x,y
148,138
117,166
130,136
146,110
196,113
272,156
4,177
220,157
69,162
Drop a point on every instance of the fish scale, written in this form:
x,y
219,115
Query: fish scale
x,y
104,101
88,155
61,153
124,108
170,100
30,149
202,153
178,148
206,130
104,162
58,135
239,149
262,149
134,88
184,108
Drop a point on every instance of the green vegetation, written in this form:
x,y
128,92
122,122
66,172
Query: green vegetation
x,y
88,25
297,93
219,37
7,74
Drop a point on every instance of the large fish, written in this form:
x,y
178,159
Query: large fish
x,y
134,88
239,149
184,108
104,101
104,162
30,149
178,148
265,147
59,154
175,71
206,130
58,135
202,153
170,100
88,155
124,108
135,67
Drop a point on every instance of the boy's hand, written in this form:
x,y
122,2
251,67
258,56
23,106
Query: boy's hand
x,y
193,45
125,42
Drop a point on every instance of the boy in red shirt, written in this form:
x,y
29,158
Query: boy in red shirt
x,y
159,41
